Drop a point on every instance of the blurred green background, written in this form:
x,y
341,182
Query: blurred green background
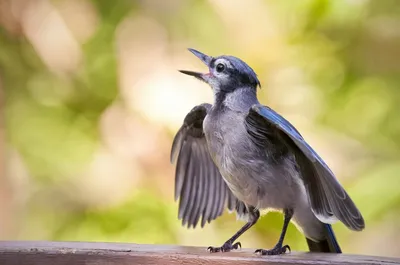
x,y
92,100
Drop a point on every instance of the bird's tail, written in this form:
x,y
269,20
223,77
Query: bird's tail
x,y
329,245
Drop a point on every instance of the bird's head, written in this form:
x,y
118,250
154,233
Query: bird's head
x,y
226,73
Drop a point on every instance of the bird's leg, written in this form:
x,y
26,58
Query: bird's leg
x,y
228,245
279,249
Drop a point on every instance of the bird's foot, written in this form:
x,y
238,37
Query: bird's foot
x,y
277,250
226,247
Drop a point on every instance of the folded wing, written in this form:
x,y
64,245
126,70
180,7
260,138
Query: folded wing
x,y
329,200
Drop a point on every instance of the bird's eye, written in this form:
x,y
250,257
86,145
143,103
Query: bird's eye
x,y
220,67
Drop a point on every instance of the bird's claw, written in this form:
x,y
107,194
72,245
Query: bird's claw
x,y
278,250
226,247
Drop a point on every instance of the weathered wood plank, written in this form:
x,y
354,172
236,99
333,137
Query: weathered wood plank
x,y
86,253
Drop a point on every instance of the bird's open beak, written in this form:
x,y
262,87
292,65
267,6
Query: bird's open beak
x,y
205,59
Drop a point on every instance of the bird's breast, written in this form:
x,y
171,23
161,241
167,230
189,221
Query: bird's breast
x,y
229,148
254,175
224,135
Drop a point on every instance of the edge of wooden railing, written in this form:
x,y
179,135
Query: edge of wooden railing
x,y
96,253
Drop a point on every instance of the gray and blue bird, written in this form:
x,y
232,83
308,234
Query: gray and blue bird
x,y
241,155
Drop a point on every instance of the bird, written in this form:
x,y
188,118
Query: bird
x,y
241,155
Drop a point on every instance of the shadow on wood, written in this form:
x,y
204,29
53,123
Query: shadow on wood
x,y
80,253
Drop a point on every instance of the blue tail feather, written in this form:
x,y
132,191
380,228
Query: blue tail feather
x,y
329,245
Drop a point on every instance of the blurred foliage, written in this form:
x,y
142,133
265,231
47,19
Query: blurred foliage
x,y
346,51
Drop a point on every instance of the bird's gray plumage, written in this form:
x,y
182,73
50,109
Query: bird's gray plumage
x,y
198,183
328,198
241,155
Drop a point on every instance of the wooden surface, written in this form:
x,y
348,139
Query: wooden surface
x,y
79,253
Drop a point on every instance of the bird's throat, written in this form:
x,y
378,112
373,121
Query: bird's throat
x,y
240,99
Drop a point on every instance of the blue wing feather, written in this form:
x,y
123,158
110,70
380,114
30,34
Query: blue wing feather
x,y
292,132
329,201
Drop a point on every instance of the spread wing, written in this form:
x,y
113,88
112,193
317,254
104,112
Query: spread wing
x,y
198,183
329,201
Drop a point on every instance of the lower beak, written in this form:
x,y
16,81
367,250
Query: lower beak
x,y
199,76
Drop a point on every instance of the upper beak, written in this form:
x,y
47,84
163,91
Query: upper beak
x,y
205,59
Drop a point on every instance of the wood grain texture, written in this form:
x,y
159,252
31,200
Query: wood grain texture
x,y
85,253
